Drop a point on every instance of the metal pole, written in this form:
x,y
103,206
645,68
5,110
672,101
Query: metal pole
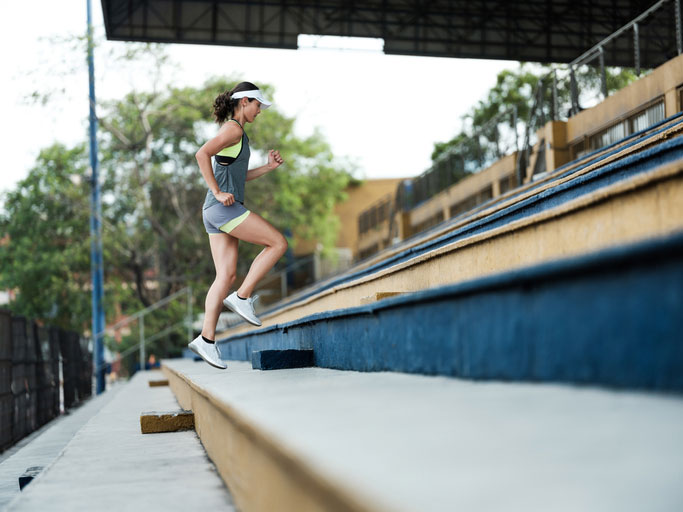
x,y
514,127
679,31
541,97
283,283
603,77
574,90
636,47
189,314
142,343
556,108
96,267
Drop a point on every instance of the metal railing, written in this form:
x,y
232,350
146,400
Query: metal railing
x,y
448,168
314,267
598,51
374,215
556,92
570,71
144,340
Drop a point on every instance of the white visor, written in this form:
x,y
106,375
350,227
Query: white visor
x,y
254,93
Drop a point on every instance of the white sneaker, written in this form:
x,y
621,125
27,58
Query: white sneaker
x,y
243,307
207,351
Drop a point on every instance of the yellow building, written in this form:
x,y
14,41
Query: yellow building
x,y
643,103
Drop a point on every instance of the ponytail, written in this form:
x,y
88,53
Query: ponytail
x,y
224,105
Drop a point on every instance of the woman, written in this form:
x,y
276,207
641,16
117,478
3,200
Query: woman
x,y
227,220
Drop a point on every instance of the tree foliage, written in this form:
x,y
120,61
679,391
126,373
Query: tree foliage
x,y
489,127
45,250
152,195
149,141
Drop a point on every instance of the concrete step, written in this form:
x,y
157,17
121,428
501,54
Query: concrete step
x,y
43,446
313,439
633,193
110,465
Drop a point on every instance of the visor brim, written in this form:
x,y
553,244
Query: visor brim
x,y
264,102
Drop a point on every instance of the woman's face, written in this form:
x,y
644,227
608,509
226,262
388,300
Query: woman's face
x,y
251,110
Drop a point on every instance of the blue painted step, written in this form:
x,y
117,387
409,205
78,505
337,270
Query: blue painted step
x,y
612,318
281,359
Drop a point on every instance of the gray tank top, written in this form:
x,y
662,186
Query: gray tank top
x,y
231,177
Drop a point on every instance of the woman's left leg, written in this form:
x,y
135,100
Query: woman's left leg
x,y
256,230
224,252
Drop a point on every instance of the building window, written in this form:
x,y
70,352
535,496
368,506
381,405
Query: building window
x,y
637,122
611,135
647,118
473,201
507,183
432,221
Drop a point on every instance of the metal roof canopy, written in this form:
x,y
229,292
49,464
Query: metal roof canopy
x,y
533,30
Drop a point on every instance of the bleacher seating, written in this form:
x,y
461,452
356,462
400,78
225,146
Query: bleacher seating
x,y
621,198
573,279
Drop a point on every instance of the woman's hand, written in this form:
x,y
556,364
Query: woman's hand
x,y
225,198
274,159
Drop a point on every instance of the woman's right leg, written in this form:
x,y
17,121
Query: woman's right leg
x,y
224,253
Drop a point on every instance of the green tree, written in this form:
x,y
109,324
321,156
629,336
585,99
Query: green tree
x,y
152,194
148,146
45,250
488,128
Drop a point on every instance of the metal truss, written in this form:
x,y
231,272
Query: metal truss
x,y
533,30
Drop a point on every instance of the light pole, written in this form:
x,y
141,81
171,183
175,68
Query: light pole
x,y
96,270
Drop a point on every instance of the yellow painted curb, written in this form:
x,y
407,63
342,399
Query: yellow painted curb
x,y
262,475
158,383
157,422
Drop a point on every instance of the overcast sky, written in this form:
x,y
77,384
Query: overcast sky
x,y
382,112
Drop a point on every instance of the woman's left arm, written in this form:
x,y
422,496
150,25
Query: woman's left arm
x,y
274,161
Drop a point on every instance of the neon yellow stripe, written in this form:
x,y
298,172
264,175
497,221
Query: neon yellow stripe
x,y
232,151
230,225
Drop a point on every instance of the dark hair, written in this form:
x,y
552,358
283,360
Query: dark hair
x,y
224,105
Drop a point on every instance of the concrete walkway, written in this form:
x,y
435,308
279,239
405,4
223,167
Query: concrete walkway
x,y
42,447
407,442
110,465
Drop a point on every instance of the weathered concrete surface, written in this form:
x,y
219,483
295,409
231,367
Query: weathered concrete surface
x,y
405,442
43,446
378,296
158,422
110,465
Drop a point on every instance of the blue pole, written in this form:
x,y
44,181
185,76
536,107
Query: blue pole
x,y
96,268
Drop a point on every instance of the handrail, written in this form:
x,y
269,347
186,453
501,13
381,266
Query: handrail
x,y
149,309
596,51
135,347
583,58
140,317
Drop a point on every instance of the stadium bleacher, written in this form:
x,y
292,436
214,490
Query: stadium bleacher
x,y
548,317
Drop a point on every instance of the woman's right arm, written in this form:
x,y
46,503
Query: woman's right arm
x,y
228,135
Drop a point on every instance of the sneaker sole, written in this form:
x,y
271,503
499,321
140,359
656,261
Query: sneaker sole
x,y
234,310
205,359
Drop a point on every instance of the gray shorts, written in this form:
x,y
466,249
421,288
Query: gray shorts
x,y
223,219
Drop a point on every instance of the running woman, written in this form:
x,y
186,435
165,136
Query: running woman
x,y
226,219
